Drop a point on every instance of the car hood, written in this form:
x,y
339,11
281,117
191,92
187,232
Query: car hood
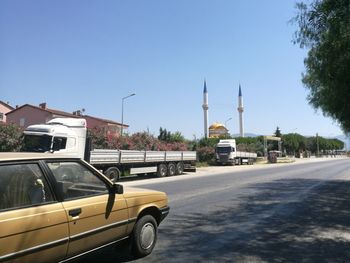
x,y
132,192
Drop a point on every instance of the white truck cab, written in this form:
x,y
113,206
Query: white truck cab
x,y
226,153
60,135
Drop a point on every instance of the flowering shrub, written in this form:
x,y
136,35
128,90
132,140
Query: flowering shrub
x,y
10,137
136,141
98,138
11,140
206,154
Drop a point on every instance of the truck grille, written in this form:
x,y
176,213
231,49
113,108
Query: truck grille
x,y
223,158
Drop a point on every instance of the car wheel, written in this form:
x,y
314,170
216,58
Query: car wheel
x,y
113,173
144,236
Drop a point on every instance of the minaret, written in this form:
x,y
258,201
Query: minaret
x,y
240,111
205,109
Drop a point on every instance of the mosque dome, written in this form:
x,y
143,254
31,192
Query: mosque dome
x,y
217,126
217,130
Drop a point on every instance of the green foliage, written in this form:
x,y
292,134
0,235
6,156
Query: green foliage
x,y
177,137
326,144
294,143
10,137
208,142
251,144
206,154
164,135
324,28
167,136
278,132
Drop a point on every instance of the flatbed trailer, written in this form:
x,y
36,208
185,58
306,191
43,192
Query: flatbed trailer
x,y
69,136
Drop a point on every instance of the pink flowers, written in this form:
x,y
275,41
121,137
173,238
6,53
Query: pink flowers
x,y
136,141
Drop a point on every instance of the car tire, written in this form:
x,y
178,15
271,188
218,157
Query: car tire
x,y
144,236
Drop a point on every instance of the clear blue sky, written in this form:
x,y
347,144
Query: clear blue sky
x,y
89,54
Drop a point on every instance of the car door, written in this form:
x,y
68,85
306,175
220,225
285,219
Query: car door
x,y
96,216
33,225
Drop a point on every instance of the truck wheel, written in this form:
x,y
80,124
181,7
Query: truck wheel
x,y
113,174
162,170
179,168
144,236
171,169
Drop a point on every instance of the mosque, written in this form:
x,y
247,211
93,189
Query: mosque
x,y
217,130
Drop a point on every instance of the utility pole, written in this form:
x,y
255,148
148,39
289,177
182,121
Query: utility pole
x,y
318,147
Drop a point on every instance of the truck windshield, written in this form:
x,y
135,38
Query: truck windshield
x,y
224,149
36,143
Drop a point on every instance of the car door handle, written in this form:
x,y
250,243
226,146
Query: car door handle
x,y
75,212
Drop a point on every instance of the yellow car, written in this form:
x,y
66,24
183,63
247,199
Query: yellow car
x,y
55,209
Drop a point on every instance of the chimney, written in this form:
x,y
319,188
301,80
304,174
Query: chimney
x,y
43,105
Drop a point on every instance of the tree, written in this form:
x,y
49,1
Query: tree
x,y
324,28
177,137
164,135
167,136
294,142
10,137
278,132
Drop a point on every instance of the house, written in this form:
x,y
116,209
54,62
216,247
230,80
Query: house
x,y
27,114
4,108
110,127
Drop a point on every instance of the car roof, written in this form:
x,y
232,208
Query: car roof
x,y
13,156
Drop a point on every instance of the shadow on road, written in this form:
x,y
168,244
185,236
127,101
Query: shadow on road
x,y
282,221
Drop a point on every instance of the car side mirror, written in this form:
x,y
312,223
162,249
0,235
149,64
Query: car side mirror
x,y
118,189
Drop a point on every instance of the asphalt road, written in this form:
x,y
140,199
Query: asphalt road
x,y
282,213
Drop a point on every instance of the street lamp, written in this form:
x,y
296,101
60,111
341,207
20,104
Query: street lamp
x,y
121,131
227,121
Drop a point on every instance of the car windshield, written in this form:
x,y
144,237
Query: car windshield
x,y
223,149
36,143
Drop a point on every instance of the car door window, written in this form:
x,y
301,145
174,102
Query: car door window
x,y
74,180
22,185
